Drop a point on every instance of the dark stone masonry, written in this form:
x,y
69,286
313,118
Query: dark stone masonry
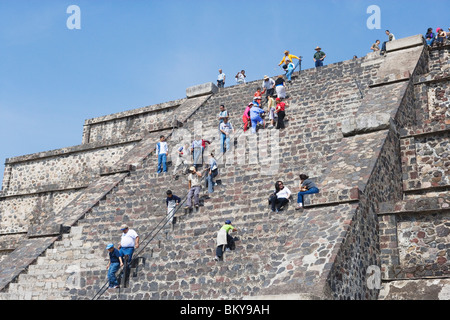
x,y
373,133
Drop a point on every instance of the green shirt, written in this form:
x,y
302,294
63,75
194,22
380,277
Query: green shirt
x,y
319,55
227,227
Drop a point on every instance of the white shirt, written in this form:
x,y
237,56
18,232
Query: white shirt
x,y
194,179
227,127
128,239
284,193
163,148
240,78
221,76
268,84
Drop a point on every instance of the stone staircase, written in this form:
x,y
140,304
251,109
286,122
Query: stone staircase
x,y
333,134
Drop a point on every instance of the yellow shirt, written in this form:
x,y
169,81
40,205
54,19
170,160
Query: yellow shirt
x,y
291,57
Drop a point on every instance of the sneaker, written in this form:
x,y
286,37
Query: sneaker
x,y
299,207
216,258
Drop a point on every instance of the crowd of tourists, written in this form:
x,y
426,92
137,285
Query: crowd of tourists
x,y
270,99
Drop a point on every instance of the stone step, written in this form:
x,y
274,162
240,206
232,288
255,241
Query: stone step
x,y
37,295
53,256
82,264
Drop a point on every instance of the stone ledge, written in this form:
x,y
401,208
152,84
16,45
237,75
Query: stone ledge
x,y
201,90
69,150
424,205
390,79
433,77
10,241
416,289
365,124
46,189
445,46
123,168
45,231
331,197
404,43
292,296
436,129
134,112
399,272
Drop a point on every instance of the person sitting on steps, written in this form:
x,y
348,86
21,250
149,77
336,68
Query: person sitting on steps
x,y
306,187
280,197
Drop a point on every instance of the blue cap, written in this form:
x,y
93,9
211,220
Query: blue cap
x,y
228,222
109,246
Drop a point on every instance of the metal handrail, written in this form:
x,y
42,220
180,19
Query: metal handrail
x,y
166,219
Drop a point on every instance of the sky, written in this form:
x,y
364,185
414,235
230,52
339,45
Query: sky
x,y
128,54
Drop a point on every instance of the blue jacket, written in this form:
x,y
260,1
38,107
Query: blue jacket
x,y
255,112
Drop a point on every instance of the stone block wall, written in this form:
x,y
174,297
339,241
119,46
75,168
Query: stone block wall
x,y
310,130
323,252
414,230
307,272
426,160
20,212
424,240
132,124
38,186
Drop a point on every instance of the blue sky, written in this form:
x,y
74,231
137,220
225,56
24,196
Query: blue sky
x,y
134,53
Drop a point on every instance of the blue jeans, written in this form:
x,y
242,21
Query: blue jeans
x,y
289,74
319,63
127,251
210,182
430,42
301,193
255,121
224,139
162,159
113,267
